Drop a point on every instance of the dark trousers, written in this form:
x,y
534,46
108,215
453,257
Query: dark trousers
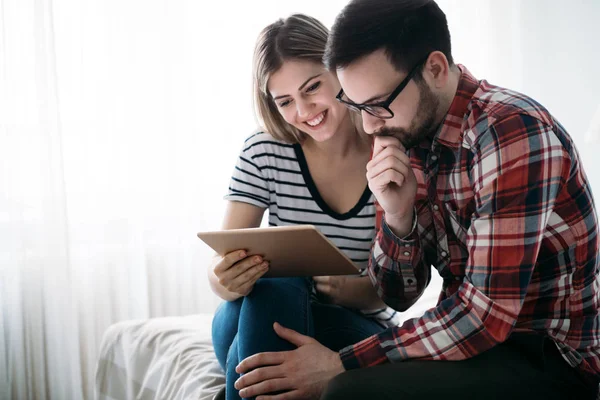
x,y
524,367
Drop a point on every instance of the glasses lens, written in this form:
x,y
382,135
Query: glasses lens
x,y
351,106
379,112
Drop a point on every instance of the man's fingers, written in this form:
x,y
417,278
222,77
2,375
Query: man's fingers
x,y
291,335
380,182
382,142
260,360
268,386
389,152
387,164
259,375
291,395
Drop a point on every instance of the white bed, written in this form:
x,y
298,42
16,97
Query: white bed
x,y
173,357
159,358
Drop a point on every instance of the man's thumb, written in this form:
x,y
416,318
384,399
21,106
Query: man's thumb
x,y
291,335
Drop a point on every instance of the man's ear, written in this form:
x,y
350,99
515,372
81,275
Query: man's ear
x,y
436,70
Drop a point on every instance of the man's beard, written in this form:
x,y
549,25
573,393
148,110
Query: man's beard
x,y
422,125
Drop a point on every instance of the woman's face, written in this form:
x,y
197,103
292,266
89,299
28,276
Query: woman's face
x,y
304,93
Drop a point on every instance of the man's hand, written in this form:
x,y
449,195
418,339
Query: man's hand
x,y
393,183
300,374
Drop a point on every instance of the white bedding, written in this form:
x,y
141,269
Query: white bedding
x,y
173,357
159,358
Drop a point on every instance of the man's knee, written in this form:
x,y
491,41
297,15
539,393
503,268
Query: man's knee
x,y
344,386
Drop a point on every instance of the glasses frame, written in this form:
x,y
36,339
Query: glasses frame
x,y
368,107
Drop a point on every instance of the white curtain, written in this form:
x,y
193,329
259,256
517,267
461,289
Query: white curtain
x,y
120,122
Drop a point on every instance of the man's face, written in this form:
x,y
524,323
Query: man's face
x,y
371,79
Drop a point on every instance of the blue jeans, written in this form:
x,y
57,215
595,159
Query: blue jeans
x,y
245,327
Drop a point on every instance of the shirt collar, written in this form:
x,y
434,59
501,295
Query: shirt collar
x,y
450,133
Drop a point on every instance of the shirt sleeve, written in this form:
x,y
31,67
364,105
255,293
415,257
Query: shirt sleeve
x,y
248,183
397,268
519,166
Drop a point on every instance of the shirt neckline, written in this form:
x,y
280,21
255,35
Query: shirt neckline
x,y
312,188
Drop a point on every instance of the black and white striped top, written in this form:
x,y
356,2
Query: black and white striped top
x,y
273,174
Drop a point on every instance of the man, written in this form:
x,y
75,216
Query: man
x,y
481,183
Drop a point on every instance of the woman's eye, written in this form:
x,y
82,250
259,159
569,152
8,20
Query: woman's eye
x,y
313,87
284,103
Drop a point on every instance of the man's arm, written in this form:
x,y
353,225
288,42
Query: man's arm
x,y
396,265
516,183
397,268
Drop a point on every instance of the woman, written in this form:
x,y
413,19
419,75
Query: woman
x,y
310,168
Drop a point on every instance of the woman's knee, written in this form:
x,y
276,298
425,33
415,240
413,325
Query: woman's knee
x,y
225,321
277,297
286,301
225,327
268,287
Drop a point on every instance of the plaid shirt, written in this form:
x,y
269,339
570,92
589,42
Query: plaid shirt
x,y
506,216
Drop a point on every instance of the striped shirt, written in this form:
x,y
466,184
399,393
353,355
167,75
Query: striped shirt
x,y
273,174
506,216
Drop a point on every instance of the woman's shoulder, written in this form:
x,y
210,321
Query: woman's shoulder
x,y
262,142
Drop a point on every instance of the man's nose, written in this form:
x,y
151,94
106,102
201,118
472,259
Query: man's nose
x,y
371,124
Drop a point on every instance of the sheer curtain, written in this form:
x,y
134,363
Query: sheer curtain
x,y
120,122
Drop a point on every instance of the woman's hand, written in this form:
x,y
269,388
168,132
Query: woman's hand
x,y
332,288
237,272
349,291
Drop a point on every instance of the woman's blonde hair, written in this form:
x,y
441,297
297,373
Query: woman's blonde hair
x,y
298,37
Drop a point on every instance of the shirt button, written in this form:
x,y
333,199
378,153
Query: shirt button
x,y
406,253
406,245
433,158
444,254
435,207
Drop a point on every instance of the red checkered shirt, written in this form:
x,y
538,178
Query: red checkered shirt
x,y
506,216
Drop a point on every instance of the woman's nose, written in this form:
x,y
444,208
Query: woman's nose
x,y
303,108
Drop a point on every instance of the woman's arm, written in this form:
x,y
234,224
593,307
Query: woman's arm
x,y
238,215
349,291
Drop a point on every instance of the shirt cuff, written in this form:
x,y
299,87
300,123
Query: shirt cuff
x,y
366,353
390,237
409,236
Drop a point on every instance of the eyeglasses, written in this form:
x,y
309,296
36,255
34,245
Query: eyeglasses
x,y
381,109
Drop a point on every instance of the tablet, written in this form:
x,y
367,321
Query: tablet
x,y
298,250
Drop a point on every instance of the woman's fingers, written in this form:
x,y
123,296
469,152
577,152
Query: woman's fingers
x,y
239,268
246,287
250,276
228,260
323,288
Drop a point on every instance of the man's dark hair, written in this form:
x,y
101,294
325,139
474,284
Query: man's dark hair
x,y
408,30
